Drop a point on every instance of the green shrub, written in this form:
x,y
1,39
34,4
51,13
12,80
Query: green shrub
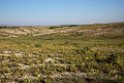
x,y
37,45
53,27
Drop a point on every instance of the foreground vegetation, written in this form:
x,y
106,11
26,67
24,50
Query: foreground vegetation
x,y
64,54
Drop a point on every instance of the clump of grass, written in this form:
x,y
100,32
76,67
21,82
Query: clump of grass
x,y
83,50
38,45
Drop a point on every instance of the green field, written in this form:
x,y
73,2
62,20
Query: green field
x,y
62,54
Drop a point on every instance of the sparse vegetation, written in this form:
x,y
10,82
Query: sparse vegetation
x,y
82,54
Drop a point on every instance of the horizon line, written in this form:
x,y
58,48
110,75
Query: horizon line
x,y
60,24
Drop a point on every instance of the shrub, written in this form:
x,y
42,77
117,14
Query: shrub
x,y
37,45
53,27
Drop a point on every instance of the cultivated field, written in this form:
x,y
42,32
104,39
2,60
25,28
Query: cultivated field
x,y
62,54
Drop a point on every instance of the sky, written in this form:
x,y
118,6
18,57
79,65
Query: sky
x,y
57,12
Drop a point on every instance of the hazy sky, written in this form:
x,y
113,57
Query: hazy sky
x,y
51,12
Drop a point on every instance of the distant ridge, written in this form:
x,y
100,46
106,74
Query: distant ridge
x,y
62,24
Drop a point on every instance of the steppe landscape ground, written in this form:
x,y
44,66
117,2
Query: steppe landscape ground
x,y
62,54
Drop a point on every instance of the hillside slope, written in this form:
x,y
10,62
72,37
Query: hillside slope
x,y
84,30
